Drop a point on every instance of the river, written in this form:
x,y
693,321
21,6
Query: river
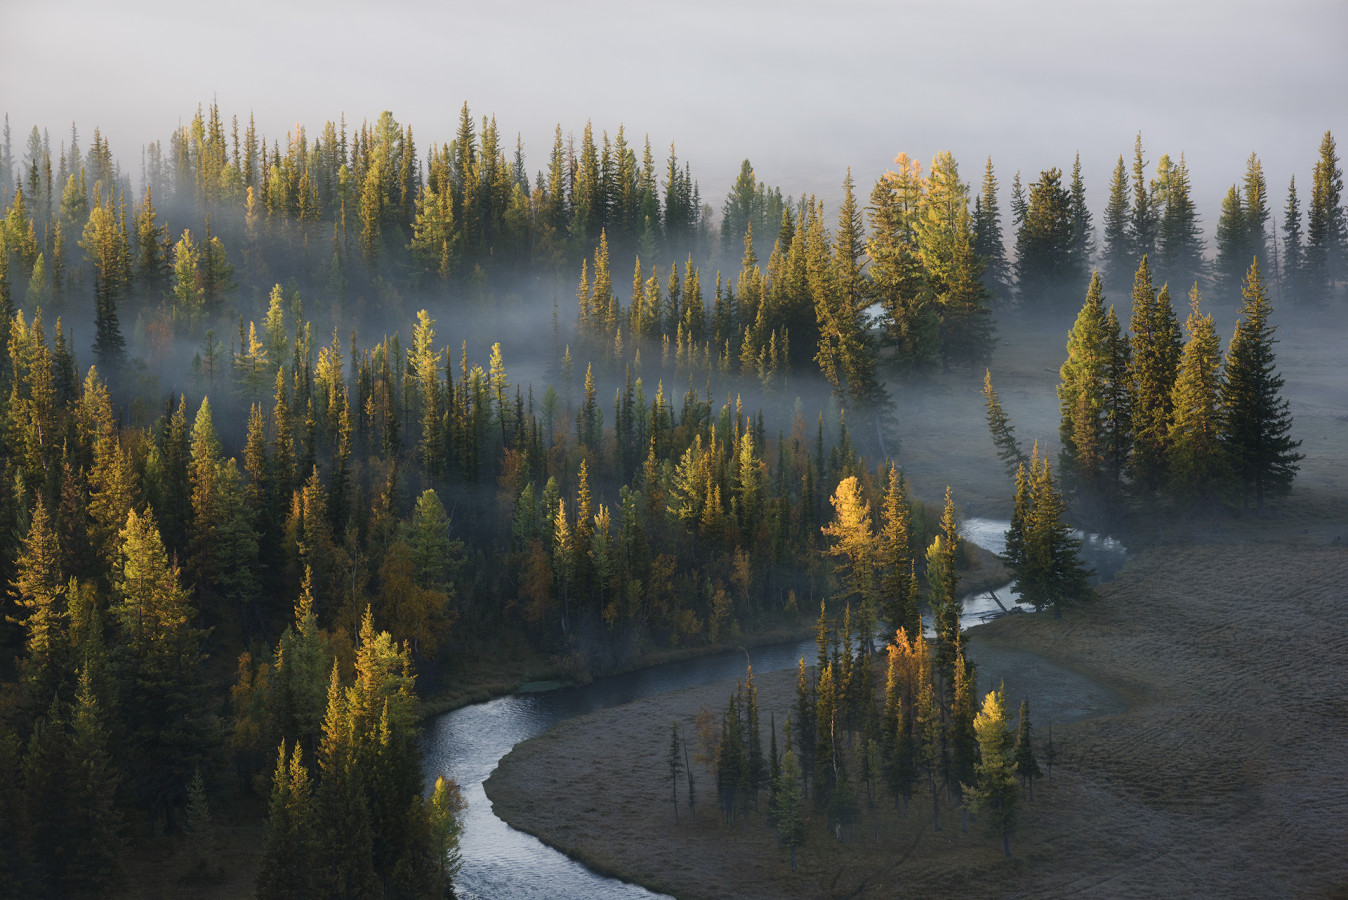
x,y
466,744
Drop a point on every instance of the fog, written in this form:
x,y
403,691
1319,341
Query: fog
x,y
803,89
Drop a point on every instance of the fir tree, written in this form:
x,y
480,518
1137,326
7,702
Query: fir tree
x,y
1155,360
1027,767
1257,422
1118,258
1197,466
1326,224
999,424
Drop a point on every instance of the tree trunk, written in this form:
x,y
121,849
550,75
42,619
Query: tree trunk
x,y
1006,844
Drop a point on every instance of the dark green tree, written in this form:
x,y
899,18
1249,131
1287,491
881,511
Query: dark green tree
x,y
1027,767
1256,419
1155,361
1326,224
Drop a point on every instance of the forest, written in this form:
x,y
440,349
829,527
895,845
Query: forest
x,y
296,436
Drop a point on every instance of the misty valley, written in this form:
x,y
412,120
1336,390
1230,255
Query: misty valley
x,y
341,478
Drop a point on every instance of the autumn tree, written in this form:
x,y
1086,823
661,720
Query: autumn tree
x,y
993,794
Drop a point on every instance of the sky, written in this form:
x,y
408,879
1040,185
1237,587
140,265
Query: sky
x,y
805,90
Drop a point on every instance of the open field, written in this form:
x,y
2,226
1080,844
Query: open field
x,y
1213,764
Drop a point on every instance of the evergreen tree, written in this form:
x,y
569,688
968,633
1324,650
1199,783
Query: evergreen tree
x,y
1027,767
1326,224
1048,570
943,579
1196,466
999,424
1293,250
105,242
1155,361
1256,420
1118,256
988,242
1083,228
1144,215
1232,244
786,810
158,660
1180,242
1048,264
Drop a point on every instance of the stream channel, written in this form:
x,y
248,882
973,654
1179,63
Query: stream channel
x,y
466,744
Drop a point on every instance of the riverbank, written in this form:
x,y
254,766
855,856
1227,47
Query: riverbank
x,y
1224,639
1206,763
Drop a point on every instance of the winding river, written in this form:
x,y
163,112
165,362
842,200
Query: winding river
x,y
466,744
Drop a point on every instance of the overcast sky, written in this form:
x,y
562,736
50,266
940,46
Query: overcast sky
x,y
803,89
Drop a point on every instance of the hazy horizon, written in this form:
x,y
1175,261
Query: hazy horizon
x,y
799,89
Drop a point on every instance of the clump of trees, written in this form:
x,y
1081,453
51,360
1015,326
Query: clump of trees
x,y
1149,414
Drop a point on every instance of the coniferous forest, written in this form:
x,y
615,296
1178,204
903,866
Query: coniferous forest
x,y
297,430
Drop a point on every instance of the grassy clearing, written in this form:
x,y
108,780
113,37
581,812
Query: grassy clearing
x,y
1211,763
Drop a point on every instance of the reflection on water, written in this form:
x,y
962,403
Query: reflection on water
x,y
467,744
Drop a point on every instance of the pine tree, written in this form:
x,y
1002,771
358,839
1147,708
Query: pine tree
x,y
1256,419
787,802
288,864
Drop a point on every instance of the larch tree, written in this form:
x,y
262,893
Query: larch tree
x,y
943,578
158,659
853,543
898,583
1256,419
1083,395
993,793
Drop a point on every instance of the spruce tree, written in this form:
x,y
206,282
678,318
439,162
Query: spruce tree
x,y
1155,349
988,242
1256,419
999,424
1196,465
1117,254
1027,767
1232,245
1293,250
1144,216
1326,224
